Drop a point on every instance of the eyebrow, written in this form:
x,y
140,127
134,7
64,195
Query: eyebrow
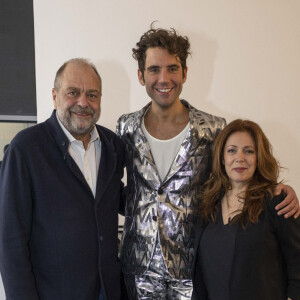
x,y
174,66
159,67
93,91
153,67
72,88
248,146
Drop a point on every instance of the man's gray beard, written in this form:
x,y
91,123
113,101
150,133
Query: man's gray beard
x,y
74,129
79,130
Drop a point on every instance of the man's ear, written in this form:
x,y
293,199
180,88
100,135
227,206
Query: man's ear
x,y
141,77
185,74
54,96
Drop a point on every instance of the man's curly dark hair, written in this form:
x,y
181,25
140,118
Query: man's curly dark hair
x,y
165,39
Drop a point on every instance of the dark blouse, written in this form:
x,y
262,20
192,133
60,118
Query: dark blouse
x,y
216,250
263,260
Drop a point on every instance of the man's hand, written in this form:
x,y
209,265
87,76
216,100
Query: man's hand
x,y
290,205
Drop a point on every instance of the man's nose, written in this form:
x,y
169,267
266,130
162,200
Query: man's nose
x,y
82,100
164,75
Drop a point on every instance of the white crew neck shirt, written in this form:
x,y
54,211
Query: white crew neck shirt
x,y
164,151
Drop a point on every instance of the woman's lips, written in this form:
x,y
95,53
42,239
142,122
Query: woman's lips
x,y
239,170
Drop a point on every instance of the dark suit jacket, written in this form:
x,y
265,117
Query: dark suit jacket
x,y
56,240
266,263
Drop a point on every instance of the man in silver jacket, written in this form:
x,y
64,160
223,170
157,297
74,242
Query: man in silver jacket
x,y
169,145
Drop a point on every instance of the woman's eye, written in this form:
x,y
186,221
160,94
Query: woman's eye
x,y
249,151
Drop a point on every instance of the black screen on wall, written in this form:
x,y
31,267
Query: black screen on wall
x,y
17,61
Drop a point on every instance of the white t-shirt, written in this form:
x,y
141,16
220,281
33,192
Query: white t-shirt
x,y
165,151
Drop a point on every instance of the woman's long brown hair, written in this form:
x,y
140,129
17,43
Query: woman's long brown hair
x,y
260,186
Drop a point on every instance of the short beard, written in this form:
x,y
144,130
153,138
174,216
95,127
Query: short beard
x,y
78,130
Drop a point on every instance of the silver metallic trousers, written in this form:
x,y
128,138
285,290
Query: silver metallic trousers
x,y
156,282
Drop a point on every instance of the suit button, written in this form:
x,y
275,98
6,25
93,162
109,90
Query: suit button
x,y
160,191
101,238
154,218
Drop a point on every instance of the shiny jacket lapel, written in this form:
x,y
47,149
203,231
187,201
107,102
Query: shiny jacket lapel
x,y
196,133
145,154
197,130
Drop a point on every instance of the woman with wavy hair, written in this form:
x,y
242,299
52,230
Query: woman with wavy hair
x,y
243,249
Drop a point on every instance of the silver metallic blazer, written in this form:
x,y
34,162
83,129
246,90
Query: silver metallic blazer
x,y
168,208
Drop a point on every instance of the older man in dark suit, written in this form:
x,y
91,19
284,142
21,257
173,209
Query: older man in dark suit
x,y
59,198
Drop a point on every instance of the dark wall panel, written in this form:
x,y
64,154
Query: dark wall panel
x,y
17,61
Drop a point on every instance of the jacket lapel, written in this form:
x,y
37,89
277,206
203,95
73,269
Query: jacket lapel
x,y
146,162
195,136
189,144
63,144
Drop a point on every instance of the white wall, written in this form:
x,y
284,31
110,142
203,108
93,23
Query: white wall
x,y
245,59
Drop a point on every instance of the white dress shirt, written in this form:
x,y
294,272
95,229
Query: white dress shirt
x,y
88,160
